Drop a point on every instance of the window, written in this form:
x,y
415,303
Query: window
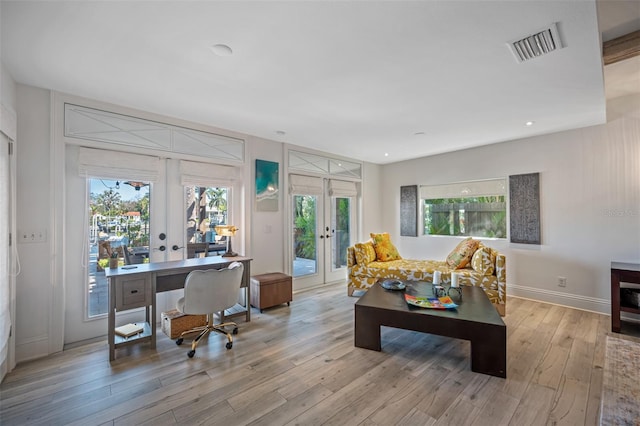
x,y
206,208
96,125
118,227
475,209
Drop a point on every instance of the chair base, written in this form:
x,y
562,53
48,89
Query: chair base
x,y
204,331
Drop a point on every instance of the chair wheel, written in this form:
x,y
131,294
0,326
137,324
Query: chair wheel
x,y
191,353
179,341
229,345
235,330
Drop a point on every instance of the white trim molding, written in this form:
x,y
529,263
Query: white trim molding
x,y
586,303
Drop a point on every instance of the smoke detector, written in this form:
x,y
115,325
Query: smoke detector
x,y
536,45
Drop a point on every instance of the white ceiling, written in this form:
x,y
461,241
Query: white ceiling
x,y
353,78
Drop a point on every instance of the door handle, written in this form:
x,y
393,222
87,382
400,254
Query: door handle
x,y
161,248
176,248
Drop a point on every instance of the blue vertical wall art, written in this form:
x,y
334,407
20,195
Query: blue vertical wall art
x,y
267,181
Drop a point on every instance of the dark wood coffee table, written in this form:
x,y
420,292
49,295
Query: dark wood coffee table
x,y
475,320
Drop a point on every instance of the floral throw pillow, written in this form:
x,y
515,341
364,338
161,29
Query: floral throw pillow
x,y
483,260
385,250
365,253
462,254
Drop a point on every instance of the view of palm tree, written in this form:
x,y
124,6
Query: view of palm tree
x,y
206,208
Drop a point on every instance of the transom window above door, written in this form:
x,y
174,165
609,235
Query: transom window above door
x,y
97,125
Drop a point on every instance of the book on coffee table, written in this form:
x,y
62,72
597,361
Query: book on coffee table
x,y
430,302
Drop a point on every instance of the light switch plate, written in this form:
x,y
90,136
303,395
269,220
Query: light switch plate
x,y
39,236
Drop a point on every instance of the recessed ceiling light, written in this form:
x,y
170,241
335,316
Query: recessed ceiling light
x,y
222,50
386,154
529,123
280,132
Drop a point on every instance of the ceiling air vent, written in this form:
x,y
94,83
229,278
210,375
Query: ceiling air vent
x,y
537,44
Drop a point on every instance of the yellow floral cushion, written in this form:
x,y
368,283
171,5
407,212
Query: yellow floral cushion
x,y
462,254
365,253
385,250
483,260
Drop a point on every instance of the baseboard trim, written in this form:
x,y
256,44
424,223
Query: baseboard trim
x,y
315,286
585,303
4,369
33,348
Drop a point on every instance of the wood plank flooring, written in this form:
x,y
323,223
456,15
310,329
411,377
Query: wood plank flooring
x,y
297,366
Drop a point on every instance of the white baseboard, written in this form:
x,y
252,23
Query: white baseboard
x,y
299,289
585,303
4,369
35,347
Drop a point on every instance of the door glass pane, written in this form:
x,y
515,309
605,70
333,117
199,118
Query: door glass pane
x,y
304,235
340,227
206,208
118,228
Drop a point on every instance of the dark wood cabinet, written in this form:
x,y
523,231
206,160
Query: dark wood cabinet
x,y
623,299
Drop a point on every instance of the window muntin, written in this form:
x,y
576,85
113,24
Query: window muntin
x,y
104,126
306,162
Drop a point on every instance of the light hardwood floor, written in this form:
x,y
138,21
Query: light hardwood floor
x,y
297,365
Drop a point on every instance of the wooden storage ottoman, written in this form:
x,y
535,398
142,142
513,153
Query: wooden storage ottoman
x,y
270,289
174,322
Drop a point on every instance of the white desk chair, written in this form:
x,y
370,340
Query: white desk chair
x,y
210,292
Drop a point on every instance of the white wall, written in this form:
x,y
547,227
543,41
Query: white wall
x,y
267,234
7,88
34,208
372,199
590,205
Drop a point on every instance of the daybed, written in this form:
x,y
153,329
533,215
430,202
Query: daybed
x,y
484,267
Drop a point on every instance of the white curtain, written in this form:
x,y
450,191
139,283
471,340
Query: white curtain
x,y
305,185
207,175
342,188
5,214
481,188
111,165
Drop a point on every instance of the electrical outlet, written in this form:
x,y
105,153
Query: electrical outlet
x,y
562,281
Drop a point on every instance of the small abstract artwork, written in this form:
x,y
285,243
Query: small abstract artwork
x,y
524,208
267,181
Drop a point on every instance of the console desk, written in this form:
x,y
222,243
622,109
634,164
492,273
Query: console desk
x,y
136,286
625,272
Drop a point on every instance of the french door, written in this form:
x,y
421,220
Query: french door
x,y
132,216
139,152
137,209
323,226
